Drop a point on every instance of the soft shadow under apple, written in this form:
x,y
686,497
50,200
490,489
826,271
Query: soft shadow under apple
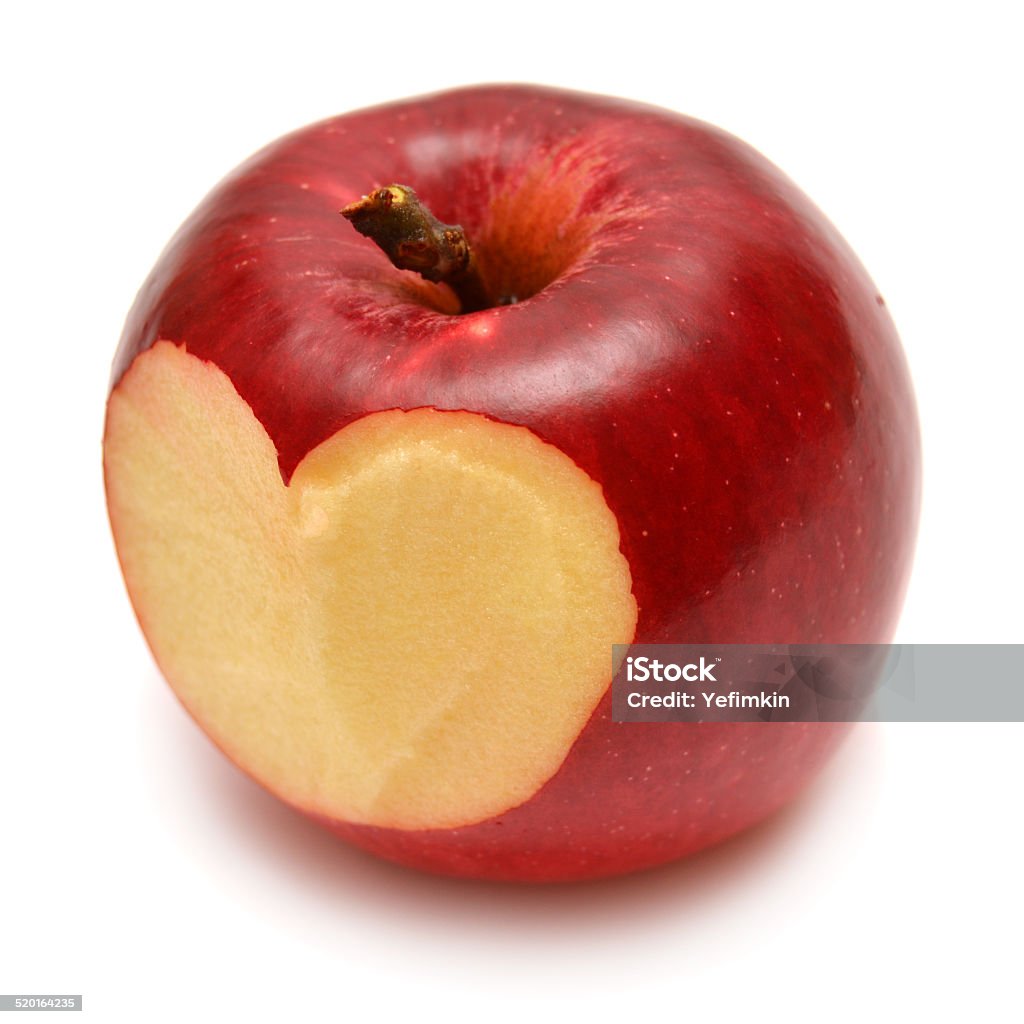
x,y
252,827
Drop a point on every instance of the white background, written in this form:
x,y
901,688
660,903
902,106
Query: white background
x,y
137,865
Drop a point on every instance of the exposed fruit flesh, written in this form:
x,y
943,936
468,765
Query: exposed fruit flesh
x,y
411,633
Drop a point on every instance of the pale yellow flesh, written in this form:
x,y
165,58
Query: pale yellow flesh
x,y
411,634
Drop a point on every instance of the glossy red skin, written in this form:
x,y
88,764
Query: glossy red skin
x,y
718,360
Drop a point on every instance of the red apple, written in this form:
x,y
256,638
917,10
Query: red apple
x,y
381,546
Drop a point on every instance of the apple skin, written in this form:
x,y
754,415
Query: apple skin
x,y
719,362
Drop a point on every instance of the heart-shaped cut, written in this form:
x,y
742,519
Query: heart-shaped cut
x,y
411,633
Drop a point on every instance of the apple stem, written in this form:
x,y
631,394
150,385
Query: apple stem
x,y
414,239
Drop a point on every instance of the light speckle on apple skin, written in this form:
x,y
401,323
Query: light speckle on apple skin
x,y
654,362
